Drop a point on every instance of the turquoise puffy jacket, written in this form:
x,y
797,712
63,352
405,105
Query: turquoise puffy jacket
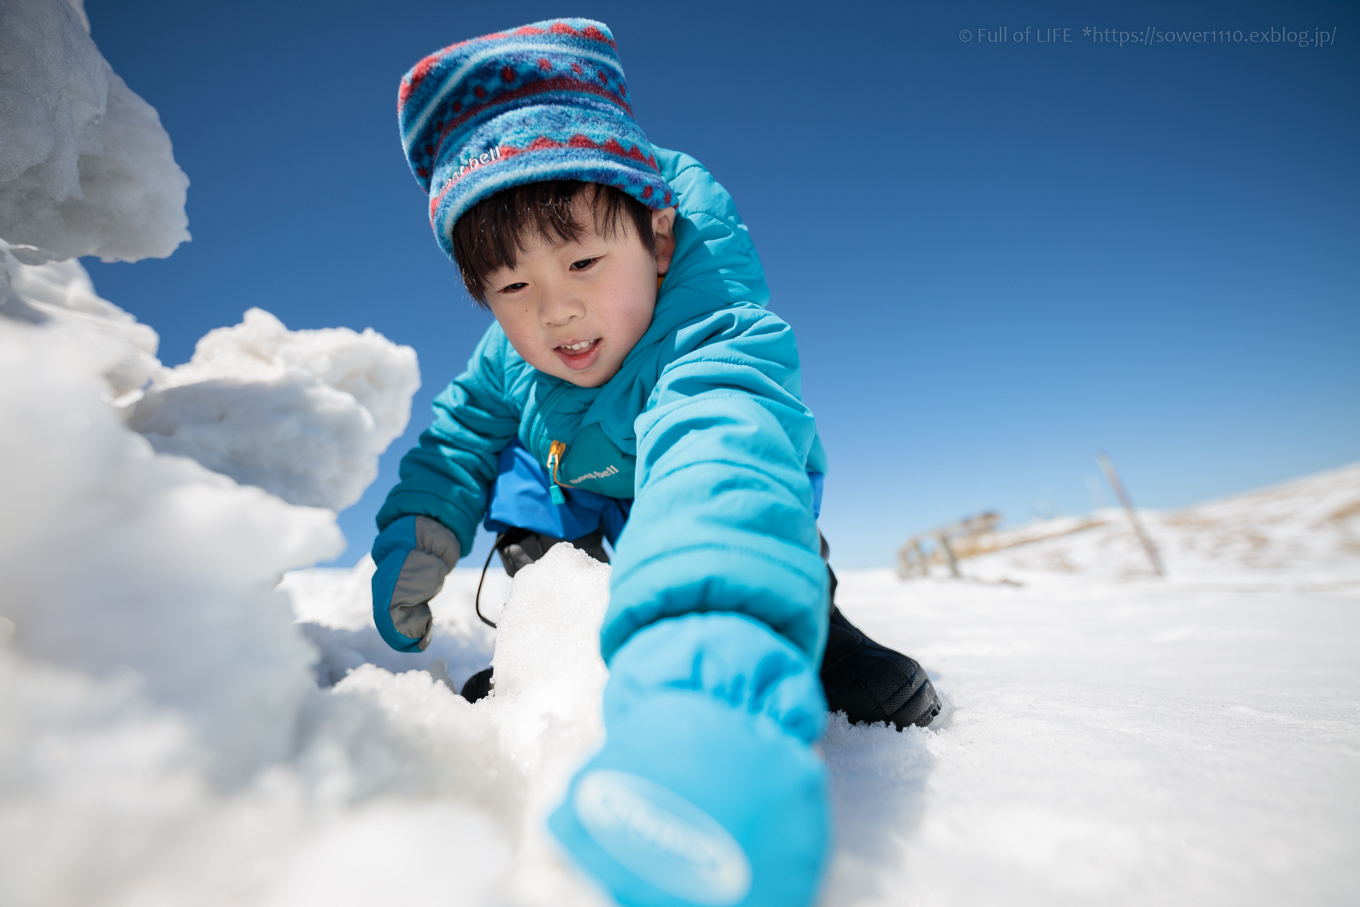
x,y
703,426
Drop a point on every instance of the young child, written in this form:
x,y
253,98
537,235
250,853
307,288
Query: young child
x,y
634,388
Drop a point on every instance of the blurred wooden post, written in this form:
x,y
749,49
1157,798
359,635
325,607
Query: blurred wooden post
x,y
911,560
966,533
1111,476
948,554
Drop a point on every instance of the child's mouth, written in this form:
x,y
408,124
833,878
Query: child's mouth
x,y
578,354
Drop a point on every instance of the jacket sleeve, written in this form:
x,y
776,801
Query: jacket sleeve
x,y
448,474
722,519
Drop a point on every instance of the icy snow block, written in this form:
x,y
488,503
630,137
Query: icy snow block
x,y
85,166
37,290
116,560
302,414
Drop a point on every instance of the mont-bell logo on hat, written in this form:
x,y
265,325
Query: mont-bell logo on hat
x,y
480,160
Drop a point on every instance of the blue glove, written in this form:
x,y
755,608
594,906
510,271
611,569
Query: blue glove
x,y
413,554
707,790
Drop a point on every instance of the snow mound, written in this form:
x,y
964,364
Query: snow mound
x,y
334,608
163,735
511,754
1309,526
85,166
302,414
103,544
35,289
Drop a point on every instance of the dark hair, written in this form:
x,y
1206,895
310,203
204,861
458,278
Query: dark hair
x,y
493,233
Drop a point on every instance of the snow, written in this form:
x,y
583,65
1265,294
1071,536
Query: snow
x,y
102,543
1149,742
190,713
168,732
86,167
302,414
1108,737
1310,527
37,289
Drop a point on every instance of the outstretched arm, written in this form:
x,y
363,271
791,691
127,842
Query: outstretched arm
x,y
431,516
723,515
707,790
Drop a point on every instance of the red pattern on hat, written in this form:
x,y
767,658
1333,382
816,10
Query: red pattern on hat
x,y
542,86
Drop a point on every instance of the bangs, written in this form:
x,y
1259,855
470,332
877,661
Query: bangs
x,y
497,230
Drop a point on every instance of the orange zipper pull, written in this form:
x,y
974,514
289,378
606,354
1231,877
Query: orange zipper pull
x,y
555,451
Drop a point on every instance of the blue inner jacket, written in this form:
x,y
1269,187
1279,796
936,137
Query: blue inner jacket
x,y
705,415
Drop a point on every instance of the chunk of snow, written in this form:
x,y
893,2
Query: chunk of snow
x,y
434,856
85,166
511,754
162,737
36,289
116,559
334,608
302,414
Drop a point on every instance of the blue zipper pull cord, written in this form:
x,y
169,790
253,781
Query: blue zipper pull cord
x,y
555,451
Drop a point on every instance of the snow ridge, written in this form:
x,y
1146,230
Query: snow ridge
x,y
85,167
301,414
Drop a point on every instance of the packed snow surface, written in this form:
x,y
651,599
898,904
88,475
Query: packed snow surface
x,y
1108,738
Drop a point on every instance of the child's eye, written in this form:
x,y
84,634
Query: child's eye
x,y
513,287
583,264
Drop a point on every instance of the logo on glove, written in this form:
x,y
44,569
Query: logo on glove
x,y
663,838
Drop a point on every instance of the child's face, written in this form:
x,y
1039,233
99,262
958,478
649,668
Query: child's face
x,y
576,309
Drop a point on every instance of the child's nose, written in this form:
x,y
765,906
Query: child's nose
x,y
563,307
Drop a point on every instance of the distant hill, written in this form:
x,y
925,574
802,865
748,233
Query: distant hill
x,y
1303,531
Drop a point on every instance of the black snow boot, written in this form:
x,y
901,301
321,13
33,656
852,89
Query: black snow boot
x,y
477,686
519,548
870,682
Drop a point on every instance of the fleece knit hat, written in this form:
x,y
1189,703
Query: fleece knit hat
x,y
545,101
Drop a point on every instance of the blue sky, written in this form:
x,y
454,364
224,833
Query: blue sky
x,y
998,257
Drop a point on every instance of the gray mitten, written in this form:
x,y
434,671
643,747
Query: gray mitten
x,y
414,554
